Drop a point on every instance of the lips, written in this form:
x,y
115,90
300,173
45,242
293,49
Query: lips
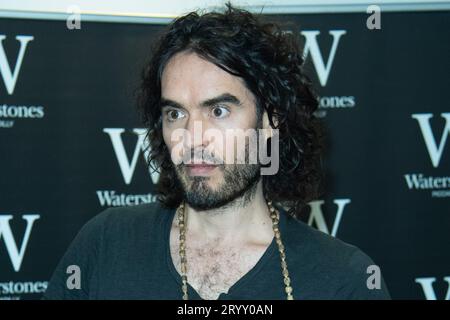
x,y
200,169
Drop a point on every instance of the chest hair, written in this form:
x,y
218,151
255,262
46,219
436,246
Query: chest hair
x,y
212,268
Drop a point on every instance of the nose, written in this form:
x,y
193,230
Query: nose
x,y
195,126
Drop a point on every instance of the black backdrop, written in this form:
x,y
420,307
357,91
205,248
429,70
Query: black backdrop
x,y
384,101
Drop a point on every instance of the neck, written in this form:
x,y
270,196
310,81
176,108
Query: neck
x,y
243,220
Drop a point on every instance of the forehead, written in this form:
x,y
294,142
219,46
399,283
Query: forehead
x,y
189,79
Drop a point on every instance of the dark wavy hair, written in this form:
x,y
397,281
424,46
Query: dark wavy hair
x,y
270,63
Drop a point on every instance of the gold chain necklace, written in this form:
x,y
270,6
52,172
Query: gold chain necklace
x,y
274,214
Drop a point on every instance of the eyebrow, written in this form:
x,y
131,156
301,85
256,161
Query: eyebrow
x,y
224,97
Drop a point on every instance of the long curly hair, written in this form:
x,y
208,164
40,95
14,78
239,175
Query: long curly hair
x,y
270,63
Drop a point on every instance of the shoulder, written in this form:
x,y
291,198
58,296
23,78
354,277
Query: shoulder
x,y
304,239
118,225
341,268
128,216
112,233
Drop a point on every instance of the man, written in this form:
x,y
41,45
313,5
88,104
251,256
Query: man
x,y
221,229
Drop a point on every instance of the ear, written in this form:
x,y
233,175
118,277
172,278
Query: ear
x,y
266,125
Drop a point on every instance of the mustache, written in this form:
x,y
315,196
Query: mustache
x,y
198,156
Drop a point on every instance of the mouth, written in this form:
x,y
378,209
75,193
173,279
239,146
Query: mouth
x,y
201,169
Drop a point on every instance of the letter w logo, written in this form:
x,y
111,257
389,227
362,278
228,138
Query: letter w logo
x,y
317,215
15,254
10,77
127,168
428,290
434,150
311,46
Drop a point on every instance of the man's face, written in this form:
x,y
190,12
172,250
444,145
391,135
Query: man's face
x,y
208,103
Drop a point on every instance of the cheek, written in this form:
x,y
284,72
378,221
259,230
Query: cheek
x,y
174,140
243,133
233,147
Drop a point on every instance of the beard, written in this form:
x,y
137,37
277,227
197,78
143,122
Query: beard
x,y
239,182
237,186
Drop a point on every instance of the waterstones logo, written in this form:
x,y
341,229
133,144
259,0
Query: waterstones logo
x,y
127,167
9,113
9,73
439,186
323,65
436,149
8,290
334,103
109,198
337,102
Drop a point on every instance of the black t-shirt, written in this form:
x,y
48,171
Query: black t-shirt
x,y
124,253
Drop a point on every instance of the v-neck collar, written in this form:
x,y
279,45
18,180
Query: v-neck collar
x,y
193,294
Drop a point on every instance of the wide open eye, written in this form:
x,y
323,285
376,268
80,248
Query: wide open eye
x,y
219,112
174,114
